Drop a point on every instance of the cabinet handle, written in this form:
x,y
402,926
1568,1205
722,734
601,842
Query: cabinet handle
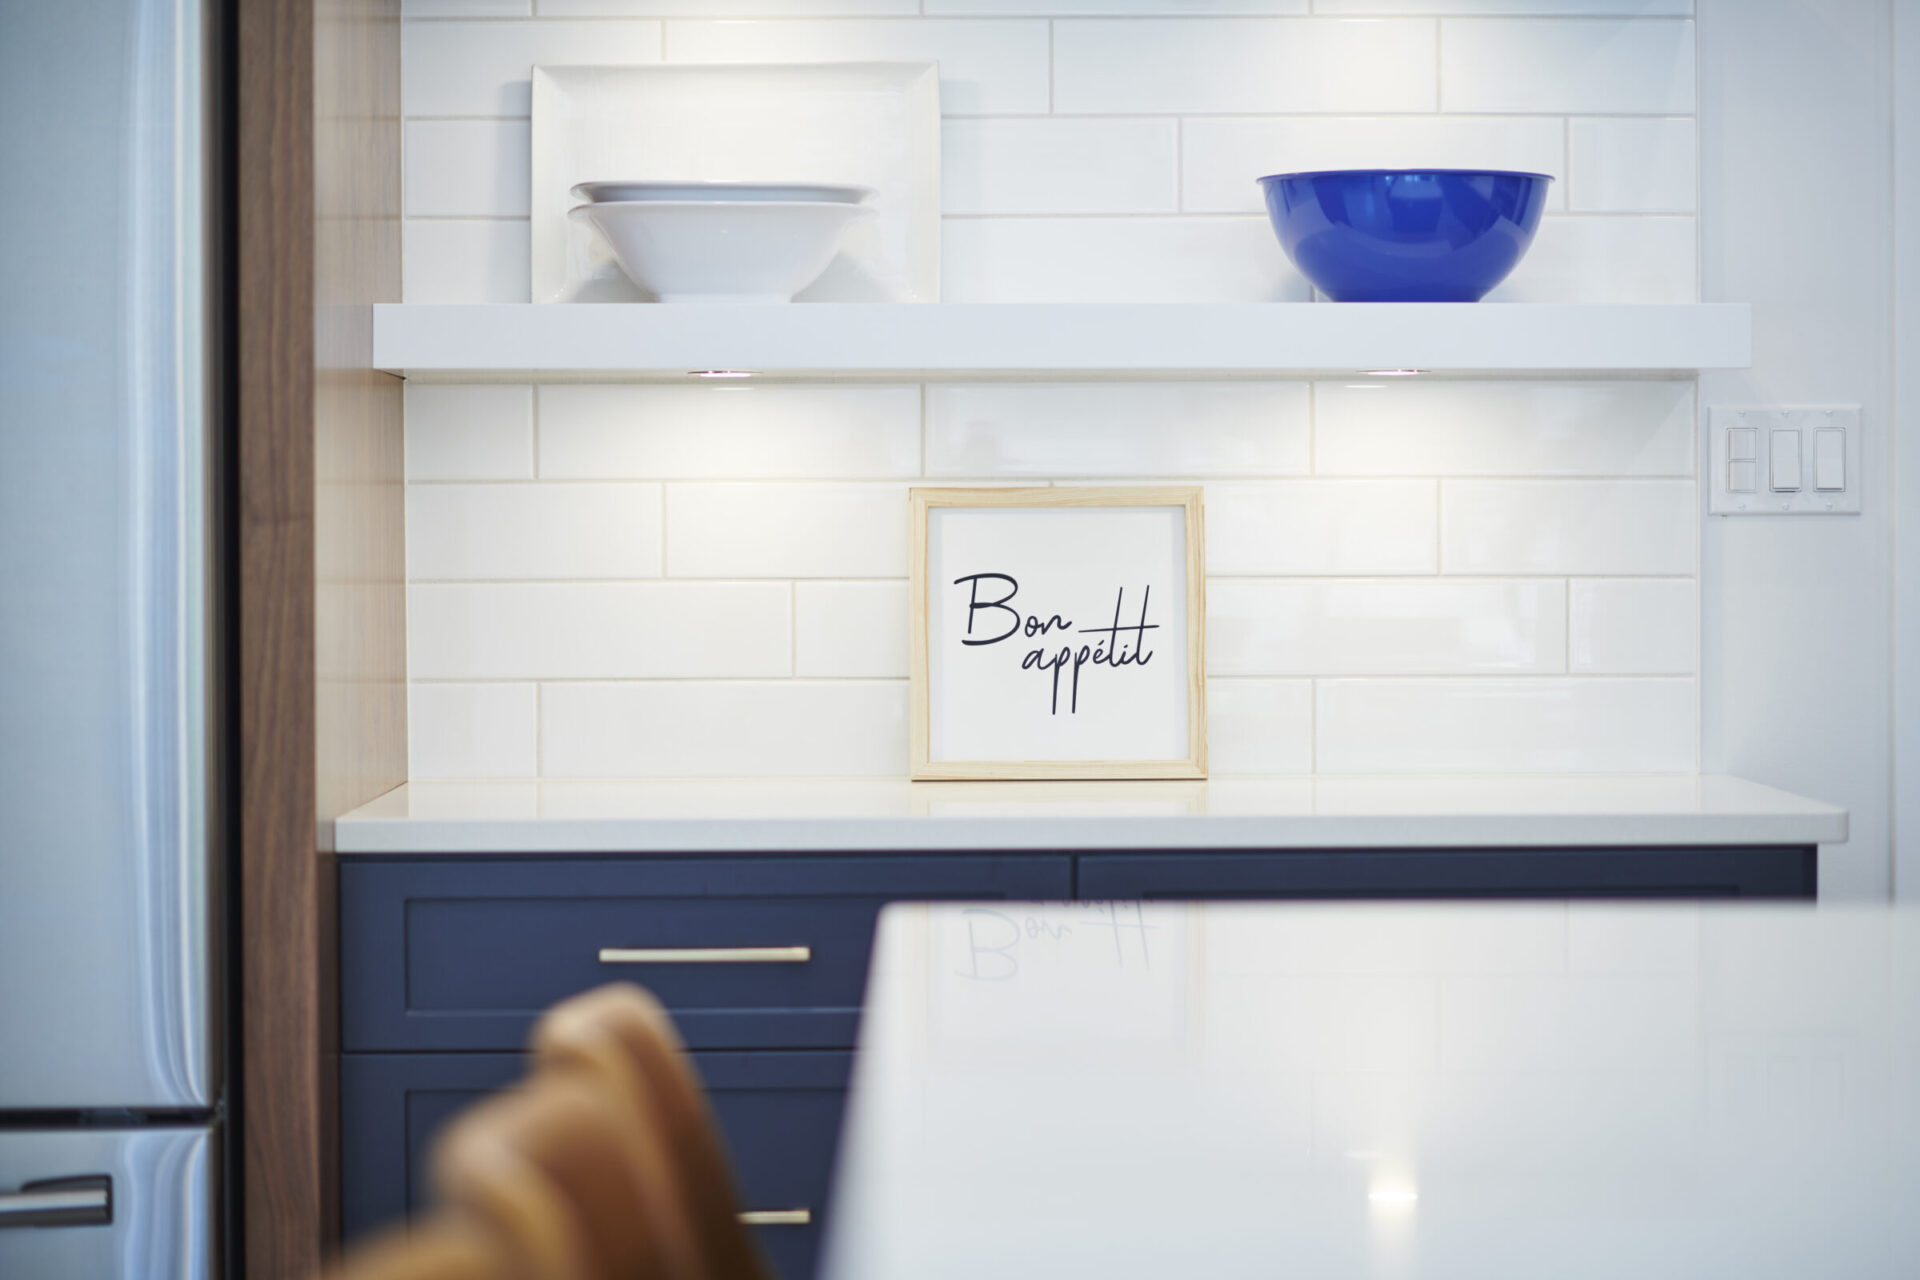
x,y
777,1217
705,955
59,1202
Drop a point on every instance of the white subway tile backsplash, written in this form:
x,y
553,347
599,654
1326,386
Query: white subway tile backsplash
x,y
1128,8
1386,627
1589,258
1242,65
1505,8
1541,725
1567,65
727,8
1567,526
987,66
466,8
462,260
1117,429
701,432
472,731
468,432
1144,259
1046,165
486,68
786,531
598,631
850,629
1324,527
1220,158
466,168
704,728
1559,635
1259,726
474,532
1426,426
1632,165
1623,626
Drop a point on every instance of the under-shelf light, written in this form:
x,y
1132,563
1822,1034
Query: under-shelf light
x,y
1393,373
720,373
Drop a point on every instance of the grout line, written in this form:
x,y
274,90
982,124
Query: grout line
x,y
1439,63
539,737
533,435
793,630
922,473
1566,636
1050,60
1313,429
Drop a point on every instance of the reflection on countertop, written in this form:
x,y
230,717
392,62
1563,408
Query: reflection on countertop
x,y
1122,1090
851,814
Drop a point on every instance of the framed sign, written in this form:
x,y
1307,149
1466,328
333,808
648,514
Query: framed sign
x,y
1058,633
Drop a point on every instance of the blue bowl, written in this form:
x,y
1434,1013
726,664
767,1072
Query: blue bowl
x,y
1405,235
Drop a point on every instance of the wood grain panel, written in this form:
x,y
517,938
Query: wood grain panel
x,y
321,564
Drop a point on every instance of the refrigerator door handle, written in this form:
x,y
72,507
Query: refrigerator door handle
x,y
59,1202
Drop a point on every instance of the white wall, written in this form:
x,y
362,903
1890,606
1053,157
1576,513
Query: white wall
x,y
1421,576
1906,449
1796,142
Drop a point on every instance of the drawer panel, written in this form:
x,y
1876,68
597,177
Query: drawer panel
x,y
780,1113
1783,871
460,953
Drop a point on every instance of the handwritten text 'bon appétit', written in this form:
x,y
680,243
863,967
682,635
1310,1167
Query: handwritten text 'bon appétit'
x,y
1115,646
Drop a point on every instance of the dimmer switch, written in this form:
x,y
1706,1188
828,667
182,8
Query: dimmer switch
x,y
1774,460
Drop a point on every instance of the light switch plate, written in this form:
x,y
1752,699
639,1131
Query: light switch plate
x,y
1728,477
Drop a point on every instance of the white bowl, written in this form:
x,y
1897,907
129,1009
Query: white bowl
x,y
721,250
598,192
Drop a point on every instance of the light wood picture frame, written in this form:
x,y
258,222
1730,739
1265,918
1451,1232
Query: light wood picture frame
x,y
1015,706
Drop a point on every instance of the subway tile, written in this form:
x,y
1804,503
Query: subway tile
x,y
594,631
786,531
1631,165
1259,726
466,8
727,8
1322,527
468,432
1127,8
1585,724
987,67
1145,259
704,432
1633,627
1426,426
1608,260
1567,526
1117,429
1220,158
467,168
486,68
1420,626
850,629
472,731
478,260
1503,8
813,728
516,531
1042,165
1591,66
1168,66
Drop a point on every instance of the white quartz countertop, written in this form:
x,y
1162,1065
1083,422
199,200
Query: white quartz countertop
x,y
886,814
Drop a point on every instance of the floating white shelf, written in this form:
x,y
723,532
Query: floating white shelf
x,y
1011,340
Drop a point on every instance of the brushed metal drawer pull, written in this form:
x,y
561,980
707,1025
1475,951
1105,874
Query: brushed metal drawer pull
x,y
60,1202
777,1217
705,955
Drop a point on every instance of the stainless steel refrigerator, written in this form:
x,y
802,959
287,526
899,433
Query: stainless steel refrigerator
x,y
110,1073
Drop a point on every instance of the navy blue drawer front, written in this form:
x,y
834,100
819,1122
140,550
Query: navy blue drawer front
x,y
1774,871
780,1113
464,953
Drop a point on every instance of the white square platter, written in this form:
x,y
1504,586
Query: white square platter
x,y
874,124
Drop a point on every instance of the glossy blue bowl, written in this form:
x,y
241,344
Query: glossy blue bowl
x,y
1405,235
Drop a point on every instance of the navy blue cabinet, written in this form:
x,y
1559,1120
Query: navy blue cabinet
x,y
780,1113
445,962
